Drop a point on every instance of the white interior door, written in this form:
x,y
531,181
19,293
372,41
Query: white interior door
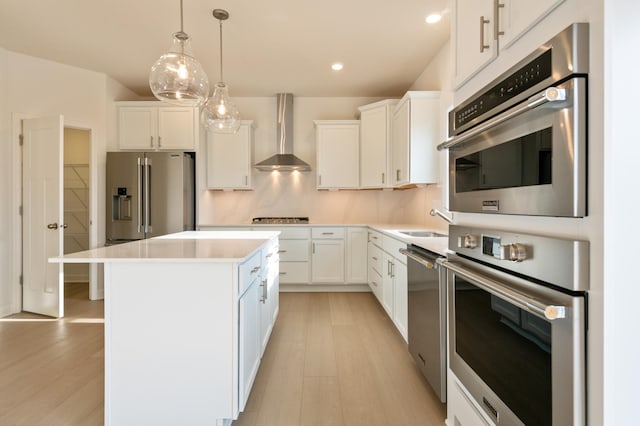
x,y
43,215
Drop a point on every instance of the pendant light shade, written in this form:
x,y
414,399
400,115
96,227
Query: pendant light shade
x,y
177,77
220,114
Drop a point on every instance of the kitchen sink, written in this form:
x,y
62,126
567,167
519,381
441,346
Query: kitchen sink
x,y
422,234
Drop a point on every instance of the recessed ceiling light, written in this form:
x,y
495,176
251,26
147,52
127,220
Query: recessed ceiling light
x,y
433,18
337,66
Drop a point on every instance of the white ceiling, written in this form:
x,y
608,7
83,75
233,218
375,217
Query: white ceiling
x,y
270,46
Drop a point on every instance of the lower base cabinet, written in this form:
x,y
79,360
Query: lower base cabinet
x,y
249,340
387,278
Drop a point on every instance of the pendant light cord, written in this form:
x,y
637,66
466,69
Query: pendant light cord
x,y
221,75
181,19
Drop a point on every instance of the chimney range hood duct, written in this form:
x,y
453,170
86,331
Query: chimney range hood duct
x,y
284,160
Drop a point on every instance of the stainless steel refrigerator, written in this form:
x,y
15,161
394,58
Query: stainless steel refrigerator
x,y
149,194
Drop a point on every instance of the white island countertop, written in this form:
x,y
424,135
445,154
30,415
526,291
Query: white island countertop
x,y
188,246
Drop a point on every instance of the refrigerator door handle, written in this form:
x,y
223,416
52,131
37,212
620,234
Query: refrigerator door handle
x,y
147,195
139,180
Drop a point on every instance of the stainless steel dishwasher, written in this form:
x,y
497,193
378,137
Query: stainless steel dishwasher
x,y
427,316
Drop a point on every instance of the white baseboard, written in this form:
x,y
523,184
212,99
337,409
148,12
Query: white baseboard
x,y
310,288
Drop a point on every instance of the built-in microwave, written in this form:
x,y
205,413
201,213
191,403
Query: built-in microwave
x,y
519,146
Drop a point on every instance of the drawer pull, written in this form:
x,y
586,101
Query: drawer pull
x,y
269,255
283,273
374,258
327,233
282,251
254,270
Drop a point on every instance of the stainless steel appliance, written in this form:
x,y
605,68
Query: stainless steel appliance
x,y
519,146
517,324
149,194
427,325
279,220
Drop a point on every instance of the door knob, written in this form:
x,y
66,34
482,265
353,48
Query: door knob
x,y
64,226
52,226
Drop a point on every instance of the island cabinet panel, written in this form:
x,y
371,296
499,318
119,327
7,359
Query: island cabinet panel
x,y
171,348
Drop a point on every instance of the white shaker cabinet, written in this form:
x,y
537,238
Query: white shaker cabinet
x,y
153,126
516,17
416,131
482,28
249,340
337,154
230,158
327,255
472,37
375,144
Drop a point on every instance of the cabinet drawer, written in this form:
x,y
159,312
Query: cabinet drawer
x,y
323,233
294,272
375,258
392,246
294,233
249,270
375,238
294,250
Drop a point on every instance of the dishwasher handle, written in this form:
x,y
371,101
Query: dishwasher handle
x,y
427,261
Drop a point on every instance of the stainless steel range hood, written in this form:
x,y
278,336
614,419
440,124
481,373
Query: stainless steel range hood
x,y
284,160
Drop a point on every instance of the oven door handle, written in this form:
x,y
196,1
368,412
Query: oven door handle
x,y
548,311
427,261
550,94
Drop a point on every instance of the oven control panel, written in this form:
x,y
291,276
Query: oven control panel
x,y
492,246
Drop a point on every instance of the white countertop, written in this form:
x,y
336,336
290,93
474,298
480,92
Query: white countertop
x,y
438,245
183,247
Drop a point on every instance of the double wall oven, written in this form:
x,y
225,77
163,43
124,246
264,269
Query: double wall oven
x,y
516,302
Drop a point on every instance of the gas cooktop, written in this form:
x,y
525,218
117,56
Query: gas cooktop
x,y
279,220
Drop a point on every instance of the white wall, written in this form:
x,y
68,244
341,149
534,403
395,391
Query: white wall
x,y
294,194
32,87
621,206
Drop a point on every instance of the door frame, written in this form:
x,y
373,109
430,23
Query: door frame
x,y
16,202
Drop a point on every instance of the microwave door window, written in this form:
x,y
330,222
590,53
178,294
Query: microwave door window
x,y
524,161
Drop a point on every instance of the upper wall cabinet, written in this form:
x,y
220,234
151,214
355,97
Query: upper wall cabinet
x,y
155,126
337,154
375,144
480,28
229,158
415,133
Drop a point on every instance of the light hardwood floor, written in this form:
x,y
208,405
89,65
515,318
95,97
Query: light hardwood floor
x,y
333,359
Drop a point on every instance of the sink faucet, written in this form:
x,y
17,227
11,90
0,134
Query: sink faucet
x,y
436,212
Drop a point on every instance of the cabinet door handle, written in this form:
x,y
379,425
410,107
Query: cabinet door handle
x,y
482,45
496,22
398,175
393,269
319,179
246,180
374,258
313,248
263,299
374,283
159,141
151,142
282,251
382,177
254,270
283,273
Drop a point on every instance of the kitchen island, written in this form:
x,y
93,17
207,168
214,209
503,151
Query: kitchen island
x,y
187,317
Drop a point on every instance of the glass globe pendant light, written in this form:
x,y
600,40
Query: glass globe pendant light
x,y
177,77
219,113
